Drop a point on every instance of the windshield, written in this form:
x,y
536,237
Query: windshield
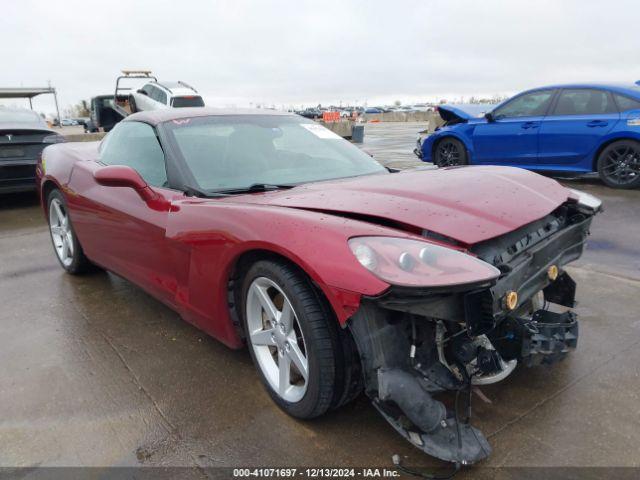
x,y
237,151
19,116
192,101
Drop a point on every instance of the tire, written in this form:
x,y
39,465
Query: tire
x,y
333,376
449,152
132,104
619,164
63,238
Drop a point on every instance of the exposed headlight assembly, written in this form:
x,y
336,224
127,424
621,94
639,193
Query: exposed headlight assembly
x,y
400,261
587,200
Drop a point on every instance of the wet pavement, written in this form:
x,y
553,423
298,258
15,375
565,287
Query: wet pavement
x,y
94,372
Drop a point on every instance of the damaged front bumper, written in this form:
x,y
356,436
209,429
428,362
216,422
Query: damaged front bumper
x,y
417,343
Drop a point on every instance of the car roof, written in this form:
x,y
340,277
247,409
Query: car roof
x,y
155,117
175,88
632,89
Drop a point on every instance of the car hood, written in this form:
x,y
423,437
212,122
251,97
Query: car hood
x,y
463,112
467,204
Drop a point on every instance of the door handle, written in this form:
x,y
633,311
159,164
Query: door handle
x,y
597,123
527,125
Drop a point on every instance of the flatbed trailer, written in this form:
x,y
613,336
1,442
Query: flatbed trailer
x,y
108,110
121,103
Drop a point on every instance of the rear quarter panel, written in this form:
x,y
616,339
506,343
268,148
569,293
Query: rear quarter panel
x,y
57,162
622,130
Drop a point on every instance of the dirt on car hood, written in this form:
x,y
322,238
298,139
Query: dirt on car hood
x,y
468,204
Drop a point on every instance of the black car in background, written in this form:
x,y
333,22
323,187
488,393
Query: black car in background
x,y
23,136
312,113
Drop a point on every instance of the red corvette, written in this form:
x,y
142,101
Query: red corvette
x,y
267,229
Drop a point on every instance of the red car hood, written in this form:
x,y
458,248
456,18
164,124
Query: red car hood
x,y
468,204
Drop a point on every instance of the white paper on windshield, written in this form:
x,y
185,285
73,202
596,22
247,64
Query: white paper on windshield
x,y
320,131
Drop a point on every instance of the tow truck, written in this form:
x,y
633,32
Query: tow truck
x,y
108,110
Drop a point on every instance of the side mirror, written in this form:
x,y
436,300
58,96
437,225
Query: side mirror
x,y
489,116
124,176
140,91
119,176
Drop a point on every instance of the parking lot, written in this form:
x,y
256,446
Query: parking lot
x,y
95,372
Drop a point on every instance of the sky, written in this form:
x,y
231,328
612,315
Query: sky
x,y
289,53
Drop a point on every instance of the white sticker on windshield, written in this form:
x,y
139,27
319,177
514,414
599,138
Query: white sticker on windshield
x,y
320,131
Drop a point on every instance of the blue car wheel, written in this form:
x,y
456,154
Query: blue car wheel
x,y
449,152
619,164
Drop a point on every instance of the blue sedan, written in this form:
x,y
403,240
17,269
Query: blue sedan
x,y
564,128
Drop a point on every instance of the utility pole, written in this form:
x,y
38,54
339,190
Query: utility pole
x,y
55,98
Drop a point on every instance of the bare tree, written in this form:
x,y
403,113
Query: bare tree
x,y
79,110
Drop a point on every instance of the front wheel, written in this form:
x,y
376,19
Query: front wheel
x,y
619,164
293,339
450,152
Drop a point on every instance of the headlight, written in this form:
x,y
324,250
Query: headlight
x,y
400,261
587,200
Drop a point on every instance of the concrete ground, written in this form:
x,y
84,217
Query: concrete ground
x,y
94,372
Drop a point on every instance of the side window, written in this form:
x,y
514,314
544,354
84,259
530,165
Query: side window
x,y
162,97
135,144
148,89
154,92
528,105
584,102
626,103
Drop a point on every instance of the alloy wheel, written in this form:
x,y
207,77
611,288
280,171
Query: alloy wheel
x,y
277,340
61,232
622,165
448,154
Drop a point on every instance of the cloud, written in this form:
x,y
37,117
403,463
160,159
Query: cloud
x,y
305,52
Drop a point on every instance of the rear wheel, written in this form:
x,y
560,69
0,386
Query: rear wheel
x,y
295,342
619,164
65,243
450,152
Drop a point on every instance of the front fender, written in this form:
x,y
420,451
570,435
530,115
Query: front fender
x,y
430,141
210,236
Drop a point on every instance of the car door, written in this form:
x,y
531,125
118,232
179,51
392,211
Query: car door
x,y
511,137
572,131
121,231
